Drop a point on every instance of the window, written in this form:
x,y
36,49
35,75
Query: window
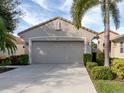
x,y
121,47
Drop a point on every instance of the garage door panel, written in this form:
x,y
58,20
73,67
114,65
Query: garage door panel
x,y
57,52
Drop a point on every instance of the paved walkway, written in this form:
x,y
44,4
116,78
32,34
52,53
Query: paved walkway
x,y
47,78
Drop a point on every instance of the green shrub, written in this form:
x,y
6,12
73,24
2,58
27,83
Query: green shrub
x,y
91,65
100,58
5,62
87,58
15,60
101,72
118,67
23,59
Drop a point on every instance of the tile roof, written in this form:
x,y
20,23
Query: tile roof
x,y
61,18
19,40
111,32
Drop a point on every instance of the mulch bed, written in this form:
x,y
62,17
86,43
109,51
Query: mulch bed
x,y
2,70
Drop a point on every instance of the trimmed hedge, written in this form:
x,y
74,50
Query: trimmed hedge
x,y
118,67
87,58
15,60
101,72
91,65
23,59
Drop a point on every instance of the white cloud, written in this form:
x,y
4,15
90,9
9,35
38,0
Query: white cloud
x,y
42,4
31,17
93,16
66,6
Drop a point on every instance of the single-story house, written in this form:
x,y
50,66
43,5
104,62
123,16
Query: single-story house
x,y
58,41
20,48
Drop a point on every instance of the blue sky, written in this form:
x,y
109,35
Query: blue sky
x,y
37,11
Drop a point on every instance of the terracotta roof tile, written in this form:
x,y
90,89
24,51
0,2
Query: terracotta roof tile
x,y
19,40
61,18
111,32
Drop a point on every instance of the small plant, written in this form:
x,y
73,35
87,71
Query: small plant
x,y
23,59
101,72
5,62
87,58
14,60
118,67
100,58
91,65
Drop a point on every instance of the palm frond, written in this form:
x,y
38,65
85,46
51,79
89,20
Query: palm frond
x,y
10,46
79,8
103,10
2,24
114,12
7,40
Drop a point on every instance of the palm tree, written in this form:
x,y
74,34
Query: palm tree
x,y
108,8
7,40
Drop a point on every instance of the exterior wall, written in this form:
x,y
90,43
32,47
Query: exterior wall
x,y
20,49
116,48
3,55
116,51
101,42
68,30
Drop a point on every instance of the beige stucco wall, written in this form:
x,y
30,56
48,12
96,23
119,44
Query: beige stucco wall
x,y
101,42
20,50
116,48
116,51
68,29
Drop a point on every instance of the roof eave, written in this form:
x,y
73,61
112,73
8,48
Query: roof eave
x,y
43,23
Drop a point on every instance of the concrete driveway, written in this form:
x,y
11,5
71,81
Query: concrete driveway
x,y
47,78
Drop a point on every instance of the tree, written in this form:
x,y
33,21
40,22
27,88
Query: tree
x,y
7,41
10,13
8,20
109,9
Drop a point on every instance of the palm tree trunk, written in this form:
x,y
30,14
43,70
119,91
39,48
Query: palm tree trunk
x,y
106,34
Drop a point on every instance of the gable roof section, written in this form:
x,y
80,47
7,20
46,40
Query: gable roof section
x,y
110,31
61,18
118,37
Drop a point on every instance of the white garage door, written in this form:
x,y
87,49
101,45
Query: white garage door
x,y
57,52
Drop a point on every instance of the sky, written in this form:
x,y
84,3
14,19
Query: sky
x,y
38,11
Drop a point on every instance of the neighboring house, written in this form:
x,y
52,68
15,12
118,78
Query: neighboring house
x,y
118,46
20,48
101,42
58,41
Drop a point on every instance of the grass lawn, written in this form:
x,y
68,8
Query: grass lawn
x,y
109,86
